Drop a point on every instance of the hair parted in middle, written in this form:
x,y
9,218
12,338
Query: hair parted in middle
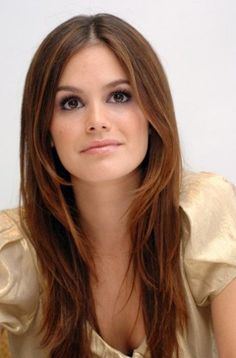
x,y
50,218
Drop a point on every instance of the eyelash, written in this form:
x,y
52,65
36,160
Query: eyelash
x,y
64,101
123,92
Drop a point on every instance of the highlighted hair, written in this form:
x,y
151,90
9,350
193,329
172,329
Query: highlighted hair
x,y
49,215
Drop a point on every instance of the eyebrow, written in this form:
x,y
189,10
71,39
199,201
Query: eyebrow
x,y
107,86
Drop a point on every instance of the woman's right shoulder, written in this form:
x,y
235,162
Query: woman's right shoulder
x,y
10,230
13,239
19,284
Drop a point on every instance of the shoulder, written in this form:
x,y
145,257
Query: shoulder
x,y
9,215
9,226
208,204
11,233
13,239
207,197
19,286
205,189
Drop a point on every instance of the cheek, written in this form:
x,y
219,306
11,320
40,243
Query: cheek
x,y
62,141
140,130
144,128
55,132
61,135
144,142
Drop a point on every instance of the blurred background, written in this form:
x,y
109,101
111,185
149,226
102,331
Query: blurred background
x,y
196,42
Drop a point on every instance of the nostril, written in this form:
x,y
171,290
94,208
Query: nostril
x,y
99,126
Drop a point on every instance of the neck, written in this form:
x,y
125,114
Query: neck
x,y
103,209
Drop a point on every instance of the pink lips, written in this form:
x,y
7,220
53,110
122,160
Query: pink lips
x,y
101,146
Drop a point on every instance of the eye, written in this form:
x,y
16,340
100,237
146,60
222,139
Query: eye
x,y
120,97
70,103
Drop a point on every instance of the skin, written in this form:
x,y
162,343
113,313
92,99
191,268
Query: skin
x,y
99,116
104,179
224,321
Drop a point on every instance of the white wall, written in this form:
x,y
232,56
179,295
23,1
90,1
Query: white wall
x,y
196,41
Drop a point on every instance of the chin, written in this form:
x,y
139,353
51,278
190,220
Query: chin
x,y
109,177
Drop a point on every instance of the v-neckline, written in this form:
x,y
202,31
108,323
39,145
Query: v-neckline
x,y
99,346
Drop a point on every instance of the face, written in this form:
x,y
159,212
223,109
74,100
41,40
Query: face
x,y
98,129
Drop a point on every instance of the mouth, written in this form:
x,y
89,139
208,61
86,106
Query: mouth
x,y
101,146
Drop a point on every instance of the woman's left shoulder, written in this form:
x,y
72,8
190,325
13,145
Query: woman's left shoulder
x,y
208,203
206,190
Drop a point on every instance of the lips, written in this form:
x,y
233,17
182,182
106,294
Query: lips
x,y
101,144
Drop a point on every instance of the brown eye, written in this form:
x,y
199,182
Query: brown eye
x,y
120,97
70,103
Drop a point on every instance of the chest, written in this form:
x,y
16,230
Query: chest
x,y
119,315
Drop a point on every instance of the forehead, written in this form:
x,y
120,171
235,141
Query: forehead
x,y
94,62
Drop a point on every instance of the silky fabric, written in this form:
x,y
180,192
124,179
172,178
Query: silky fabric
x,y
207,260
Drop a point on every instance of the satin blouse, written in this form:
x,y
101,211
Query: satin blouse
x,y
208,264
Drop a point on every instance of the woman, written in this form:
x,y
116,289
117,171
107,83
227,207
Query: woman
x,y
116,253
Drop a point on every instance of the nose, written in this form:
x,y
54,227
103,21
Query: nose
x,y
97,120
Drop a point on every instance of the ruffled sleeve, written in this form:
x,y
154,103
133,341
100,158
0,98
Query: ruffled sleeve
x,y
19,287
209,206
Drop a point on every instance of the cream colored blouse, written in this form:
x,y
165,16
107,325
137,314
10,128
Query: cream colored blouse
x,y
208,264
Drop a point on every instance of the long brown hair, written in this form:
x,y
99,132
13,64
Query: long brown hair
x,y
50,218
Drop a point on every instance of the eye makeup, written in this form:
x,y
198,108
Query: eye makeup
x,y
70,102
